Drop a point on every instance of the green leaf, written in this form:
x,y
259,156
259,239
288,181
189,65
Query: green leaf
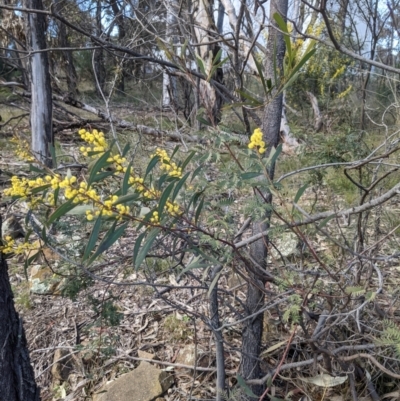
x,y
325,221
196,172
100,163
138,243
194,199
203,121
56,193
183,48
214,283
246,389
164,197
37,169
201,66
128,198
151,165
283,27
217,57
187,160
111,236
40,189
198,210
250,175
125,181
296,68
253,100
94,236
52,151
261,74
274,155
146,247
162,179
179,185
126,149
174,151
197,263
102,175
79,210
61,211
300,192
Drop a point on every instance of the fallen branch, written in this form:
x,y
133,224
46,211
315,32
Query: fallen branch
x,y
142,129
317,114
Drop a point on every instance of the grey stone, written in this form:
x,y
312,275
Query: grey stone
x,y
145,383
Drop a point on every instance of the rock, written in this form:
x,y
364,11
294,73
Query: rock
x,y
146,355
42,281
62,365
145,383
187,356
12,228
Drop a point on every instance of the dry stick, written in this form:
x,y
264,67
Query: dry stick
x,y
374,361
175,365
280,363
307,362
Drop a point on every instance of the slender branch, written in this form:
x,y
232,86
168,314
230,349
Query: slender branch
x,y
321,216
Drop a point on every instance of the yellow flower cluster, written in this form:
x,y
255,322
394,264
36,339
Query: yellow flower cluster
x,y
11,247
155,218
256,141
106,208
339,71
345,92
166,164
69,190
22,187
172,208
119,162
22,150
95,139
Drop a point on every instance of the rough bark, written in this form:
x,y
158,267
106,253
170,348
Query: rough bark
x,y
17,380
253,328
67,59
41,106
120,21
98,57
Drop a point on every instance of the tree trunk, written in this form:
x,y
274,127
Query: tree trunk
x,y
17,380
41,106
342,14
67,59
119,19
253,328
98,57
170,89
209,98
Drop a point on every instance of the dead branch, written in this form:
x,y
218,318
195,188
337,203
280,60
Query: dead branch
x,y
317,114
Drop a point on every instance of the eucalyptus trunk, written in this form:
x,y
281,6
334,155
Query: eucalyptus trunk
x,y
170,86
17,380
253,328
41,105
67,59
